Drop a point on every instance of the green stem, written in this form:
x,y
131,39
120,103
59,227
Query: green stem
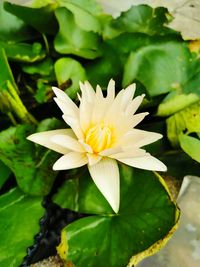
x,y
11,117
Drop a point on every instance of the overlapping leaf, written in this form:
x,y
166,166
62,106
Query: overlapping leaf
x,y
146,215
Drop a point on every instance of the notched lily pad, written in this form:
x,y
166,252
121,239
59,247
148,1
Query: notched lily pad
x,y
147,217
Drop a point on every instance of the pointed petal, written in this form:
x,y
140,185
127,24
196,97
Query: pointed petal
x,y
68,142
74,124
134,105
109,151
139,138
106,177
70,161
64,97
44,139
132,153
136,119
86,146
65,108
128,95
93,158
88,93
111,90
147,162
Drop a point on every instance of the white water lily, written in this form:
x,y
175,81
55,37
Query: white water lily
x,y
102,133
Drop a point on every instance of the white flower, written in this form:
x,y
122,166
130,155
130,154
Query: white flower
x,y
102,132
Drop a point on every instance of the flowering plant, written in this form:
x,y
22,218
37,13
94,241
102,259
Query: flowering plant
x,y
102,131
104,204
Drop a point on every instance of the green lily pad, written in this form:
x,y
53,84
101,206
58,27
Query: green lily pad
x,y
23,52
143,19
44,68
147,215
68,73
160,67
19,223
42,19
84,19
71,39
191,146
31,164
12,28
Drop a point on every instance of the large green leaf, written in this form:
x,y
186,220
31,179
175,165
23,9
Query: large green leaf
x,y
43,68
146,216
85,20
19,223
187,119
13,28
23,52
143,19
160,67
191,146
31,164
71,39
68,73
42,19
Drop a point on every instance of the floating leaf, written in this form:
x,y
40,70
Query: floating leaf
x,y
23,52
71,39
19,223
12,28
191,146
44,68
142,19
146,218
85,20
160,67
31,165
42,19
68,73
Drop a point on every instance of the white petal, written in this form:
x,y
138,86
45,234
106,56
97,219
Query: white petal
x,y
65,108
64,97
106,177
134,105
74,124
138,138
147,162
44,139
136,119
128,95
68,142
134,153
70,161
88,93
109,151
86,146
111,90
93,158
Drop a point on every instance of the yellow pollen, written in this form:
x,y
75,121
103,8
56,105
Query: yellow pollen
x,y
99,137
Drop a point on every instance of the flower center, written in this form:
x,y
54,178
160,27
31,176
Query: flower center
x,y
99,137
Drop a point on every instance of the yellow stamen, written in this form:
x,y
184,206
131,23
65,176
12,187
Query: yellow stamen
x,y
99,137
